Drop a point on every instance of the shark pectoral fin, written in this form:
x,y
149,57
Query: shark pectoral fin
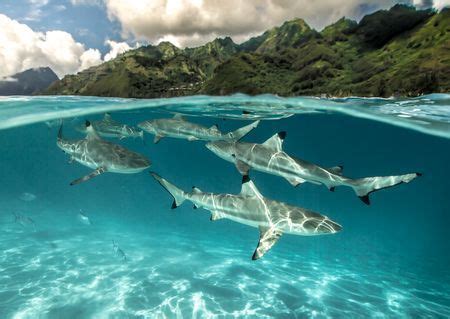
x,y
338,170
157,138
267,238
242,167
215,216
97,172
295,181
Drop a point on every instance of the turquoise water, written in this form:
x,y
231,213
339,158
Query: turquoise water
x,y
391,260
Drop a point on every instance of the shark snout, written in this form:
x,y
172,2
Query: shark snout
x,y
329,227
210,146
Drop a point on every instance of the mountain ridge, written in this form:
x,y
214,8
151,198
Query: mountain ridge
x,y
400,51
28,82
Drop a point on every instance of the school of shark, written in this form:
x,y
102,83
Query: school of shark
x,y
249,207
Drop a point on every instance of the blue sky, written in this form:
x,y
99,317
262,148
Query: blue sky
x,y
88,24
69,35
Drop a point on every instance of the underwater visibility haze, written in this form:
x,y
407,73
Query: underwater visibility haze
x,y
84,238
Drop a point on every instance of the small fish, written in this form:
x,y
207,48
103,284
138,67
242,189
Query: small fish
x,y
82,218
27,197
118,252
25,221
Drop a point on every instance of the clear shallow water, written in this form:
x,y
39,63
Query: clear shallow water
x,y
391,259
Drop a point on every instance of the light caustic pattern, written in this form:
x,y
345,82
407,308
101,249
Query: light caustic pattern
x,y
79,276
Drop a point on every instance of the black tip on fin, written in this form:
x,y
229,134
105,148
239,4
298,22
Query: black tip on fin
x,y
282,135
419,174
254,256
365,199
245,179
87,123
174,205
246,112
332,189
341,167
194,207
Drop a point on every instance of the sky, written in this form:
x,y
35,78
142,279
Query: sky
x,y
72,35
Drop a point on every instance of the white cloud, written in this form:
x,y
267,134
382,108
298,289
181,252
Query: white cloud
x,y
22,48
192,22
8,79
91,57
116,49
86,2
39,3
437,4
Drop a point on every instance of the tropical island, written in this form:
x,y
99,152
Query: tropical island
x,y
397,52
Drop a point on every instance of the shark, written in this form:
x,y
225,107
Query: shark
x,y
108,127
101,155
179,127
118,251
269,157
24,221
83,218
251,208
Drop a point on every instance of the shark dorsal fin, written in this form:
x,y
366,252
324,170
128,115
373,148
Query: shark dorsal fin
x,y
214,128
196,190
249,188
336,169
178,117
276,141
90,131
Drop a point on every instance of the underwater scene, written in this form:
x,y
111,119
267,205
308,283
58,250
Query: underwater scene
x,y
225,207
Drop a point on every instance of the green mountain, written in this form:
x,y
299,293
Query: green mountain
x,y
401,51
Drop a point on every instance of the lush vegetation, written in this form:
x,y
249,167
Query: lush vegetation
x,y
401,51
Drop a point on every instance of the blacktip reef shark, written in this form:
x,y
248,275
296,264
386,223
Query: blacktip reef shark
x,y
178,127
269,157
253,209
108,127
101,155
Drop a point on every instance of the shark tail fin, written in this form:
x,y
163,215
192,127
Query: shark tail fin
x,y
177,194
364,186
241,132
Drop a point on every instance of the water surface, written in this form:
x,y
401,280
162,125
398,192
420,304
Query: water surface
x,y
391,260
